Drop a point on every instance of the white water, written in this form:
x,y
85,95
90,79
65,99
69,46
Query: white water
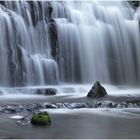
x,y
66,91
102,37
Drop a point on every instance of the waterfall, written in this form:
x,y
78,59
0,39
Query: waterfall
x,y
25,48
54,42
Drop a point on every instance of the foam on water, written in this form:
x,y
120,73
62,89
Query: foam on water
x,y
73,91
127,113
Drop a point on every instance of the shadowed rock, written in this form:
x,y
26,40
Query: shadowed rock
x,y
134,3
97,91
48,91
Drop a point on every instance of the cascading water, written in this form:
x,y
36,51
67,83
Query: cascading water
x,y
25,49
103,37
51,42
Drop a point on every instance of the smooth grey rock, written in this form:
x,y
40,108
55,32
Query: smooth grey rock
x,y
49,105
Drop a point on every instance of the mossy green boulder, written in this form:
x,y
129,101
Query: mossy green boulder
x,y
42,119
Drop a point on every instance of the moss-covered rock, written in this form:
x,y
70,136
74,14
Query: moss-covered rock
x,y
42,119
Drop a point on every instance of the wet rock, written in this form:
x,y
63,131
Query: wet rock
x,y
103,104
10,109
122,105
61,105
50,10
97,91
112,105
72,105
52,28
119,106
16,108
42,119
48,91
79,105
49,105
2,3
98,104
134,3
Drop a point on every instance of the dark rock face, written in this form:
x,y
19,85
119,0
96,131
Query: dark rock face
x,y
50,11
53,37
134,3
97,91
48,91
18,108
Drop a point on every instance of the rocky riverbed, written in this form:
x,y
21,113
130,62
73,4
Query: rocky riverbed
x,y
72,116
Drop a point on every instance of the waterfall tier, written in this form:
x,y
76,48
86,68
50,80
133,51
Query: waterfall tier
x,y
53,42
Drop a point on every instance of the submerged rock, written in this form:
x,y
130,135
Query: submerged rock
x,y
97,91
42,119
48,91
52,28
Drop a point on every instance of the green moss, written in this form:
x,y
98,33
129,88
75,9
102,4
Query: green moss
x,y
42,118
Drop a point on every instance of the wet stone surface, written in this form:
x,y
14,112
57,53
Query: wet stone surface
x,y
31,108
93,104
22,113
18,108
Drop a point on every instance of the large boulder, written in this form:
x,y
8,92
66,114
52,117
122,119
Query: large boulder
x,y
97,91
